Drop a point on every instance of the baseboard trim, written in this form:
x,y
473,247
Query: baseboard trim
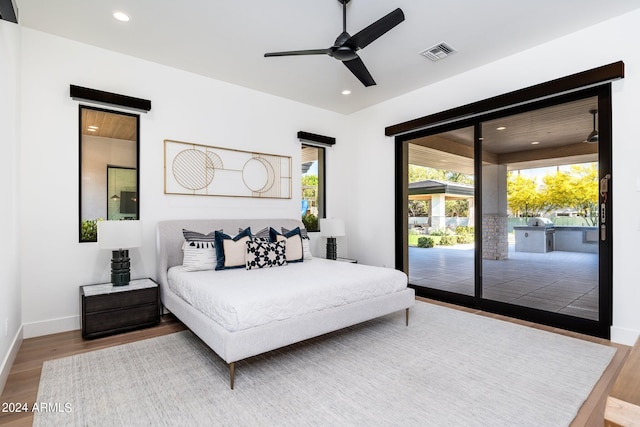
x,y
7,363
624,336
52,326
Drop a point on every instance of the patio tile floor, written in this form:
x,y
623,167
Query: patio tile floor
x,y
561,282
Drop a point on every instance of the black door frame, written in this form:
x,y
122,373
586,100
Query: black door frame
x,y
600,328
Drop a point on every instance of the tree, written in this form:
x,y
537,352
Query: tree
x,y
418,208
309,186
524,197
422,173
459,208
576,189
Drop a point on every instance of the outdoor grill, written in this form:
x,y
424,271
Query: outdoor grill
x,y
536,236
540,222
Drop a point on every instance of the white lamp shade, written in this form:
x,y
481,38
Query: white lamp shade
x,y
331,227
119,234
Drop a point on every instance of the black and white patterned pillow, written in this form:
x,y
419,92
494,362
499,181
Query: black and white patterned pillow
x,y
262,254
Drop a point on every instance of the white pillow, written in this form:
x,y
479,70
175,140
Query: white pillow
x,y
198,256
306,249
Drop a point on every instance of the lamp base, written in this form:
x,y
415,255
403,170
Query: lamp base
x,y
332,248
120,272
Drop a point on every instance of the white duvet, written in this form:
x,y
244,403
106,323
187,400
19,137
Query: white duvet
x,y
239,299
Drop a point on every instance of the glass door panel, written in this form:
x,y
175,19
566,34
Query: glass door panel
x,y
540,210
441,211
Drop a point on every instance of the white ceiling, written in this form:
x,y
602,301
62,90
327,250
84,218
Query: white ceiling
x,y
226,39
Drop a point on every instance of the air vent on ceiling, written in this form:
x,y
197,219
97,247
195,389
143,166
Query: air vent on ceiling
x,y
437,52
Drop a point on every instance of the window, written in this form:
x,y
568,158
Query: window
x,y
313,185
109,168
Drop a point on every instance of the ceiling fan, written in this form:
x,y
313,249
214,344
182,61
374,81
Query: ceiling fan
x,y
345,47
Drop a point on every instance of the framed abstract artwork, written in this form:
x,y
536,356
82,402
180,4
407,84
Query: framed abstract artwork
x,y
203,170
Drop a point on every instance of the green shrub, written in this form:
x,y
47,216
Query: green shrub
x,y
425,242
89,232
465,229
448,240
465,238
310,222
441,232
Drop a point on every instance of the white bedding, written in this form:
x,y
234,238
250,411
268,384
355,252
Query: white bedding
x,y
239,299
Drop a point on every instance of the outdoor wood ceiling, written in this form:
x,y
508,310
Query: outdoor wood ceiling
x,y
559,130
108,125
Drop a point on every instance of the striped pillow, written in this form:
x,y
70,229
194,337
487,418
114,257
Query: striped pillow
x,y
198,256
194,236
262,234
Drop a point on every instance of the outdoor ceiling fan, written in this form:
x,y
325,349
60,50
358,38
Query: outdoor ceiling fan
x,y
593,136
345,47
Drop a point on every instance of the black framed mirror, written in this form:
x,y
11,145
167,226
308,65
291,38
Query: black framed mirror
x,y
109,168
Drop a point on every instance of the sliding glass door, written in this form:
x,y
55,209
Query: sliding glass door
x,y
505,211
441,211
540,209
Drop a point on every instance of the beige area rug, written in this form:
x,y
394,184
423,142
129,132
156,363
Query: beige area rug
x,y
448,368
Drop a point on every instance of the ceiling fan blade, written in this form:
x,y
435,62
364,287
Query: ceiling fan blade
x,y
300,52
356,66
375,30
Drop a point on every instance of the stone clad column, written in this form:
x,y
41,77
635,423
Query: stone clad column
x,y
495,243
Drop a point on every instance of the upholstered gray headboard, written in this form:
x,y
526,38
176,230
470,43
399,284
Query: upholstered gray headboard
x,y
170,238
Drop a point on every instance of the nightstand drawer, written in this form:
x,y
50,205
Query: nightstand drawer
x,y
120,300
108,309
106,322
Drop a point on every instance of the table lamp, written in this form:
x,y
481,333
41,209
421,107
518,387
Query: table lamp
x,y
119,237
331,228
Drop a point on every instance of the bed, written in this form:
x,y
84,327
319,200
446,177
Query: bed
x,y
241,313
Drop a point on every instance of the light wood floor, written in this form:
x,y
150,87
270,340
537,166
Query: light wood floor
x,y
24,377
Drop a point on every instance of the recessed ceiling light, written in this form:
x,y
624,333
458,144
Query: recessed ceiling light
x,y
346,92
92,128
535,142
121,16
500,128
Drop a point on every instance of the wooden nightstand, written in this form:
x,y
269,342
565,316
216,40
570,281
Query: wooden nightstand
x,y
108,309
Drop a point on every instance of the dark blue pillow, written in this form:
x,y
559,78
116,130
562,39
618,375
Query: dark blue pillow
x,y
221,257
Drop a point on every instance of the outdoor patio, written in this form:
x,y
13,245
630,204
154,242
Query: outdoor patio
x,y
557,281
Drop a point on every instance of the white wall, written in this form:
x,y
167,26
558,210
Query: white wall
x,y
185,107
602,44
10,293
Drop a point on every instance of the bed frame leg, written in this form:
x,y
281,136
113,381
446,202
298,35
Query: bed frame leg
x,y
232,373
406,315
